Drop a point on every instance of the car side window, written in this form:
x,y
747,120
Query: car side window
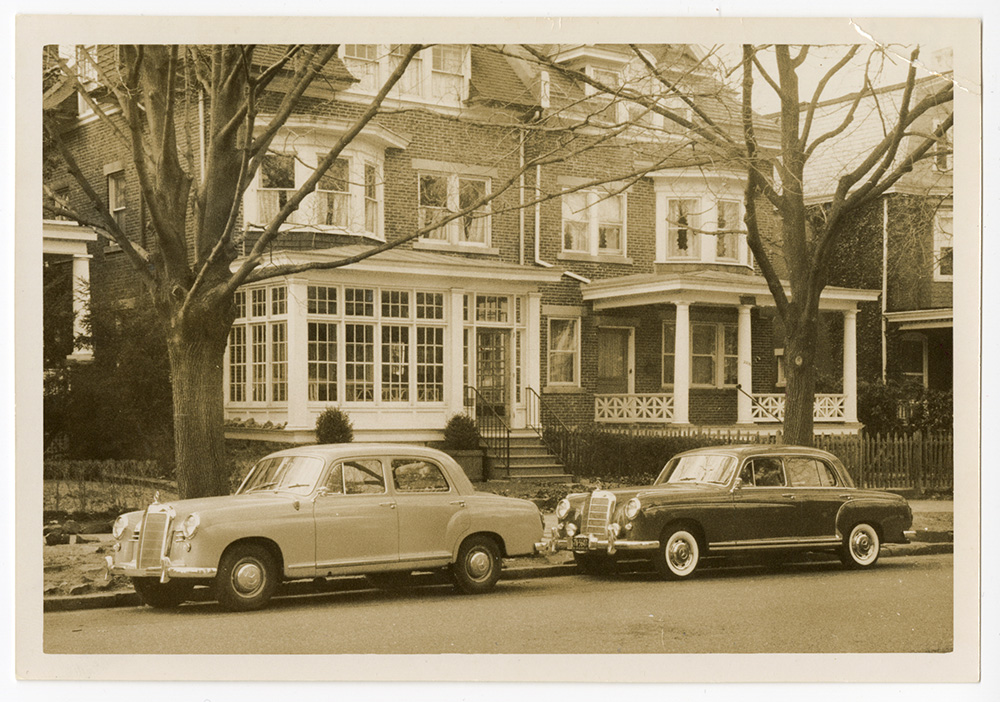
x,y
363,476
768,472
746,475
417,475
804,471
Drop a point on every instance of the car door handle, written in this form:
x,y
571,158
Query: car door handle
x,y
846,497
460,503
789,495
390,505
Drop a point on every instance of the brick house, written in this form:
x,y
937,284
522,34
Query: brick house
x,y
901,244
632,301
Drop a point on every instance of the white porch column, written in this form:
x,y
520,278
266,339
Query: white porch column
x,y
81,298
454,389
744,367
299,416
682,362
531,360
850,366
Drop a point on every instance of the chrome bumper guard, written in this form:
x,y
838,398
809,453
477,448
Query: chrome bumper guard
x,y
165,572
585,543
909,535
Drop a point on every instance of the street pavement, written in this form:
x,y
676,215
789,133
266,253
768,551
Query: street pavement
x,y
904,604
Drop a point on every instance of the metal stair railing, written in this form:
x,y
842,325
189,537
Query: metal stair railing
x,y
492,427
539,415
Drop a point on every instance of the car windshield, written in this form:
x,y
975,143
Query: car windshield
x,y
701,468
296,474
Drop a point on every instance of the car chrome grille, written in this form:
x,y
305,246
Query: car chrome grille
x,y
152,540
598,513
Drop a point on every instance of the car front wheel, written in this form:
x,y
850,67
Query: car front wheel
x,y
678,554
861,547
478,566
247,578
162,595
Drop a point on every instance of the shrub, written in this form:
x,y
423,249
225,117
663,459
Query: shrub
x,y
891,408
461,434
334,427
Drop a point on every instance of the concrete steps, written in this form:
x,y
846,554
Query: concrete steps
x,y
530,459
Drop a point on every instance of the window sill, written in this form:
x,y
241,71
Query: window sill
x,y
112,248
562,390
447,246
599,258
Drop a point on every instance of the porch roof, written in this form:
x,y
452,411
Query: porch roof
x,y
940,318
424,263
705,287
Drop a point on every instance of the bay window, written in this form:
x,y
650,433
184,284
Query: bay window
x,y
332,202
277,184
727,229
258,346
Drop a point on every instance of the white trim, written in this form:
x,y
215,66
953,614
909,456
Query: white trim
x,y
922,319
575,383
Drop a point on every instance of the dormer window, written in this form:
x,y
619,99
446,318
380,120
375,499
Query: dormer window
x,y
439,74
362,61
447,78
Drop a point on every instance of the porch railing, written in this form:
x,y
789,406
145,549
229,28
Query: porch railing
x,y
492,426
634,408
771,407
549,426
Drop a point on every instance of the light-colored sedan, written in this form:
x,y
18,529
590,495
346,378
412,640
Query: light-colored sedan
x,y
384,510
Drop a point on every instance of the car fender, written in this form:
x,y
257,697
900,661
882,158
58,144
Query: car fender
x,y
880,513
515,521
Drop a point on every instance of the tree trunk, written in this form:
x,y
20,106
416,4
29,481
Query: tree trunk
x,y
196,368
800,388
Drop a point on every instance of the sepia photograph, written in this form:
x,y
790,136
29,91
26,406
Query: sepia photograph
x,y
542,343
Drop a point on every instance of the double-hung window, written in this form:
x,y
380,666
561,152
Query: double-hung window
x,y
682,227
277,184
564,351
727,230
442,194
593,223
714,354
447,72
944,263
116,198
669,344
332,200
409,83
362,61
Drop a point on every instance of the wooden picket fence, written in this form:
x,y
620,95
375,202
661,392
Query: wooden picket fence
x,y
918,462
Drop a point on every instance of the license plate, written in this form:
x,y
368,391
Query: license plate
x,y
581,543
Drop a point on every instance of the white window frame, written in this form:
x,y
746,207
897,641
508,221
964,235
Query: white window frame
x,y
417,83
735,231
692,225
718,355
924,360
591,215
943,241
668,330
259,307
452,232
117,200
550,352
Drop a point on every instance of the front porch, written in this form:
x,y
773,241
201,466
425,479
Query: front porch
x,y
704,349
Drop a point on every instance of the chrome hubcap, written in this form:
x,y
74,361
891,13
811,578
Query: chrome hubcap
x,y
863,545
680,553
479,564
248,577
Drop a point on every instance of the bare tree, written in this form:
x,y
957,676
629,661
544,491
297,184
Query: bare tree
x,y
809,234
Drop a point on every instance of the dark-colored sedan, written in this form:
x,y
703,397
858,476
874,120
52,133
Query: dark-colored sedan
x,y
727,499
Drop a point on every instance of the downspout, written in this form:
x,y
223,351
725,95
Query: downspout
x,y
520,210
885,277
201,131
538,218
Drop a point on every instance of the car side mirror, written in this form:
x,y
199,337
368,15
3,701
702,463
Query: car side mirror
x,y
322,492
738,484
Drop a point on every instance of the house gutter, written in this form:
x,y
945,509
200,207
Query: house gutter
x,y
520,210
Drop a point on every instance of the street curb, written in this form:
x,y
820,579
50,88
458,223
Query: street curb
x,y
69,603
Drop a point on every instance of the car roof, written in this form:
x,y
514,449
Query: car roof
x,y
333,451
748,450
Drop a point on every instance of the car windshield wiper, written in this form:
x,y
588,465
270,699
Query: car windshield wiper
x,y
265,486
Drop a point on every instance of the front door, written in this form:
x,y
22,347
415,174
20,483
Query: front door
x,y
612,360
492,369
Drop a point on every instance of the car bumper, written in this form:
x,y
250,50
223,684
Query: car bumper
x,y
587,543
165,572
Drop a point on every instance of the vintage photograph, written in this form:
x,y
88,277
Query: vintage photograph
x,y
569,342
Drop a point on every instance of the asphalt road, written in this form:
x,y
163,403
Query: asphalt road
x,y
904,604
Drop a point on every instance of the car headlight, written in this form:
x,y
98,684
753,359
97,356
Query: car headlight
x,y
570,529
632,508
562,509
119,527
190,525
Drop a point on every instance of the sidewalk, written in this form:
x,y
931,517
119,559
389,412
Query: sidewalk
x,y
932,520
